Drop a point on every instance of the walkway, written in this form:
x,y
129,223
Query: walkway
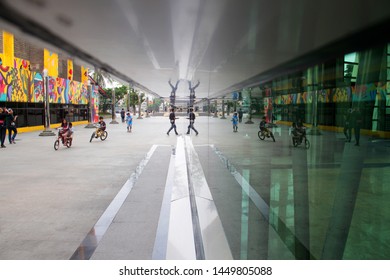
x,y
218,195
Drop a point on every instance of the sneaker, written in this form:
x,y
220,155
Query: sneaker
x,y
13,141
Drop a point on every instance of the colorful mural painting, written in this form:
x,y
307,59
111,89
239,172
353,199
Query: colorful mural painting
x,y
95,103
70,69
50,60
19,84
38,91
367,92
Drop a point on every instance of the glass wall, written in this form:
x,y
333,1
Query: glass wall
x,y
325,201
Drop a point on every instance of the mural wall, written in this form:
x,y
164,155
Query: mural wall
x,y
368,92
19,84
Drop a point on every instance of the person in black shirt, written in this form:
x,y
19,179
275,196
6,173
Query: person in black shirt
x,y
347,126
357,121
191,117
123,115
3,129
240,114
102,124
172,119
11,126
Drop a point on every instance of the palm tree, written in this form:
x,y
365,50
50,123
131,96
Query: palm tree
x,y
101,77
133,98
141,99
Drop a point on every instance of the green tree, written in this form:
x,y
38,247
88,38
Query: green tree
x,y
105,100
120,93
229,104
133,98
141,99
155,106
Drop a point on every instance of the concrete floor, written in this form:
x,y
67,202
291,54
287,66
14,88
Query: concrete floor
x,y
274,201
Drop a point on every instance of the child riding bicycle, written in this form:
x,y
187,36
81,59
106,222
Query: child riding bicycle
x,y
101,128
65,130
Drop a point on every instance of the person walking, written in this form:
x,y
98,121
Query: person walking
x,y
357,123
123,115
11,126
347,126
172,119
129,121
191,117
240,114
235,122
3,129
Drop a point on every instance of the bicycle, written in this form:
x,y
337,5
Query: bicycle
x,y
98,133
65,139
299,137
265,133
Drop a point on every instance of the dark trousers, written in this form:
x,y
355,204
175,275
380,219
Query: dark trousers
x,y
3,132
357,134
191,126
173,126
348,133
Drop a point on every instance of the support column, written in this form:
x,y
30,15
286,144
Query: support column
x,y
46,131
139,106
90,115
313,80
223,108
249,121
147,109
113,114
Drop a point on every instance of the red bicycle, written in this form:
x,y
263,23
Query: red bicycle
x,y
66,139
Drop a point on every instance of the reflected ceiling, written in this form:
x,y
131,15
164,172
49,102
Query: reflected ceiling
x,y
221,43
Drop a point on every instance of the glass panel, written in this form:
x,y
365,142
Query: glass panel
x,y
351,57
298,190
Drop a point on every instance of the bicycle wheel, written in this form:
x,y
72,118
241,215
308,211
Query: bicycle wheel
x,y
307,144
261,135
92,136
56,144
295,142
103,135
68,143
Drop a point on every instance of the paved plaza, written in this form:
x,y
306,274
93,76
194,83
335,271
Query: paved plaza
x,y
123,198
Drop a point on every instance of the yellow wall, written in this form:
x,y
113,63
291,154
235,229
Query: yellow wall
x,y
52,126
